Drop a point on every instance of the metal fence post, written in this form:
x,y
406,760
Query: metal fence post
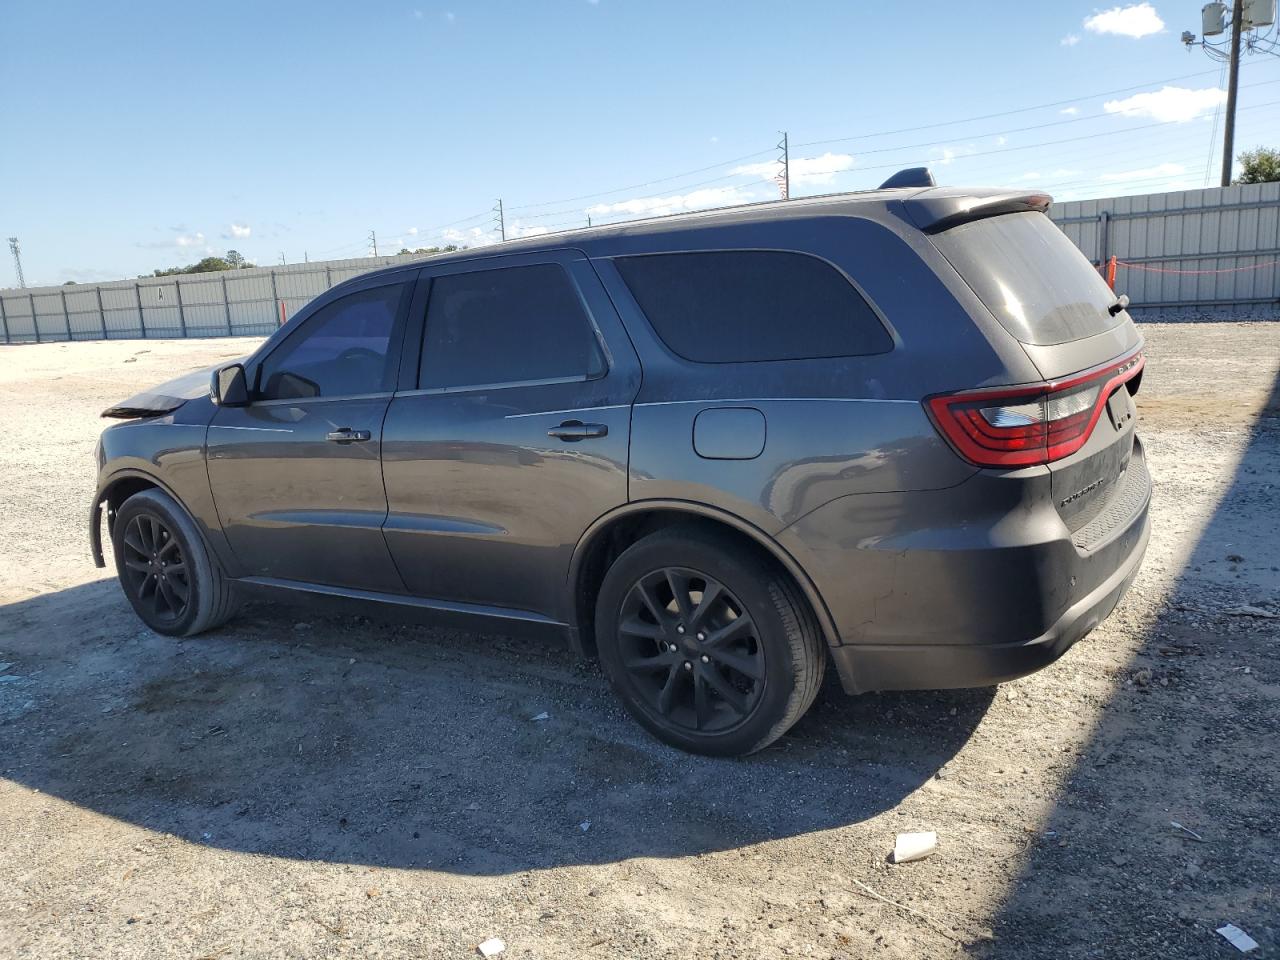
x,y
1104,235
328,278
275,301
35,321
142,320
182,315
226,303
4,321
102,314
66,317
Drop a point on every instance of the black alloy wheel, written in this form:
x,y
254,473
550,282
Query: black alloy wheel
x,y
155,569
692,650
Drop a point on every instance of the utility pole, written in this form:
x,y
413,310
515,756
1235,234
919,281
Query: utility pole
x,y
784,173
282,258
501,220
373,241
1233,82
17,262
1245,16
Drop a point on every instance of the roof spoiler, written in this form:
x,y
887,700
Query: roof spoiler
x,y
936,210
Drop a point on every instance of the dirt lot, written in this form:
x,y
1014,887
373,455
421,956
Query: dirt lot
x,y
300,786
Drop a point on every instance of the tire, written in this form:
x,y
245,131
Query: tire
x,y
716,684
159,553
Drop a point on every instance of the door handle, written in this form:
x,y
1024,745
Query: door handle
x,y
571,431
347,435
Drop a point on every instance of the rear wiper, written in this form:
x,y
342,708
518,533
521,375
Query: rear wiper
x,y
1119,305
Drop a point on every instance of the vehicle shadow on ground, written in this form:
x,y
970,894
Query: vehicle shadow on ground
x,y
347,740
1187,737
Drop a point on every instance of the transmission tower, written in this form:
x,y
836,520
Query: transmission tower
x,y
500,220
17,261
783,179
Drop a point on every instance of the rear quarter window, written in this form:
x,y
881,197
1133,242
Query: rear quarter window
x,y
1036,282
752,305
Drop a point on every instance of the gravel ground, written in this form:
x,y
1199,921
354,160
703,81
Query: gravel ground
x,y
302,786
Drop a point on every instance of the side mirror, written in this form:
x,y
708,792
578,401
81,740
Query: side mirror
x,y
229,388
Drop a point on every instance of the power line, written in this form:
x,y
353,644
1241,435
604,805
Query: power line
x,y
1003,113
647,183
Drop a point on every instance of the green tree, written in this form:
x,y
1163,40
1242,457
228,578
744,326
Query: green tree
x,y
1259,166
232,261
426,251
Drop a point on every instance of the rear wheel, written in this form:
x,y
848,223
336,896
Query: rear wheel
x,y
166,571
707,644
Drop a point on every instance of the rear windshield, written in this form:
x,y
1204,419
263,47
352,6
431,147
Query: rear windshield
x,y
1035,281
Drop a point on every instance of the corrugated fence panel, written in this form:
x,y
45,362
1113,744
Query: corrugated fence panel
x,y
1188,254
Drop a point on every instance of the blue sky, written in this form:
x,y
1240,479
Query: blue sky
x,y
145,135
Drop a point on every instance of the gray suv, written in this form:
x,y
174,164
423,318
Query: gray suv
x,y
893,431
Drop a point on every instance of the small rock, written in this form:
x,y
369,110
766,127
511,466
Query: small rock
x,y
541,716
491,947
584,826
1142,677
303,625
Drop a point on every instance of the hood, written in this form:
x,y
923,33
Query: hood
x,y
167,397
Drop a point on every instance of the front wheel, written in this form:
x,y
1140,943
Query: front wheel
x,y
167,573
706,643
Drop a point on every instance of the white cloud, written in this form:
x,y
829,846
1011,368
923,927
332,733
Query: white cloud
x,y
1002,140
1145,173
1070,40
950,154
1168,104
1136,20
412,231
803,169
450,16
471,237
189,239
1049,177
676,203
241,230
1070,111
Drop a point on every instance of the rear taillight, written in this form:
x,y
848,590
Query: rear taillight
x,y
1023,426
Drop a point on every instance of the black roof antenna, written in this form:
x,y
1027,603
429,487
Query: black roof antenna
x,y
910,177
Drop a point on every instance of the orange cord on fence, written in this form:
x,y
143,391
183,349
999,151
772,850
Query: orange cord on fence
x,y
282,316
1111,267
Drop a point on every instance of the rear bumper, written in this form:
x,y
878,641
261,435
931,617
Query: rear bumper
x,y
971,585
866,667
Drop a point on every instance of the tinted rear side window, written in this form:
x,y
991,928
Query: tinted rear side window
x,y
512,325
1036,282
749,305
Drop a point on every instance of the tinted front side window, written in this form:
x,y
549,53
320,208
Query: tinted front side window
x,y
510,325
747,305
342,350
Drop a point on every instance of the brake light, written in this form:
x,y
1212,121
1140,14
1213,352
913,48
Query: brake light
x,y
1024,426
